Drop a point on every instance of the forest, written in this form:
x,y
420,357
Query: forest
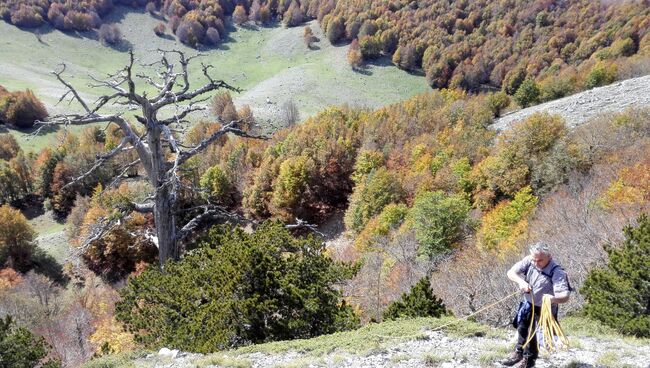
x,y
544,49
210,233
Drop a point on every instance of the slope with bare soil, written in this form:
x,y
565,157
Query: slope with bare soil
x,y
579,108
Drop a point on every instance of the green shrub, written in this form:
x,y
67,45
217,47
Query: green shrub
x,y
390,218
379,188
9,148
513,80
12,187
497,102
370,47
518,153
438,220
623,47
556,87
236,289
217,185
600,75
19,348
527,94
419,302
335,30
291,183
366,162
619,294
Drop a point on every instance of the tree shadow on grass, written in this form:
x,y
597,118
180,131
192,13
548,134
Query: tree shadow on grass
x,y
363,70
46,265
167,37
123,46
31,206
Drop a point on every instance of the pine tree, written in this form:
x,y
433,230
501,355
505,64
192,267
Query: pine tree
x,y
419,302
237,289
19,348
619,294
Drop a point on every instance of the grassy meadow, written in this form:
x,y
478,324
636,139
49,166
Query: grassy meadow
x,y
266,63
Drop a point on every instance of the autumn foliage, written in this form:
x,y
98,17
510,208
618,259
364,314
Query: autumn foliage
x,y
117,253
20,109
461,44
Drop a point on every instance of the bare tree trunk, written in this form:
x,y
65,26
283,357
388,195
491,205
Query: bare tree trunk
x,y
158,150
165,227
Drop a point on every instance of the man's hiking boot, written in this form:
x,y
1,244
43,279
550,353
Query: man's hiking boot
x,y
526,362
513,359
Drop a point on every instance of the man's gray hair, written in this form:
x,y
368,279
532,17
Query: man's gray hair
x,y
540,247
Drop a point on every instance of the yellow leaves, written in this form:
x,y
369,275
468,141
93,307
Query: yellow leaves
x,y
14,228
451,95
109,332
507,224
391,217
94,214
291,182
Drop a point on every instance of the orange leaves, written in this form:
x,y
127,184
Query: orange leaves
x,y
9,278
631,188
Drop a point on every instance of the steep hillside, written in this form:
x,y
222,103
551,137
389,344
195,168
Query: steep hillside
x,y
584,106
469,43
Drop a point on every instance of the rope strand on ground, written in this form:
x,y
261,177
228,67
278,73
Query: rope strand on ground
x,y
452,322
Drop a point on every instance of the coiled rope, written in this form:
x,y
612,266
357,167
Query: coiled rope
x,y
554,338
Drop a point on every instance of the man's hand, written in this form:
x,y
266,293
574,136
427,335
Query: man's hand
x,y
550,297
524,287
559,298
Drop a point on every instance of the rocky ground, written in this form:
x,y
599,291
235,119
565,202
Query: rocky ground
x,y
430,349
579,108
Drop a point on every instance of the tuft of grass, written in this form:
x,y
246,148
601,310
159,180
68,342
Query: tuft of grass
x,y
122,360
373,338
583,326
489,358
575,342
300,363
434,360
500,348
587,327
399,358
224,360
360,341
608,359
465,328
574,364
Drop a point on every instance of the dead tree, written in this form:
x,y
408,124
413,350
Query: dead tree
x,y
153,138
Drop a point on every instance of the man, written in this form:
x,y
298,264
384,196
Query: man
x,y
536,275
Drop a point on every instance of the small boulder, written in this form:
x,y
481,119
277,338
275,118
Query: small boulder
x,y
164,352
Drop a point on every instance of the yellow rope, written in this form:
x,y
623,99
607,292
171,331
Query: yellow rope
x,y
550,327
477,312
